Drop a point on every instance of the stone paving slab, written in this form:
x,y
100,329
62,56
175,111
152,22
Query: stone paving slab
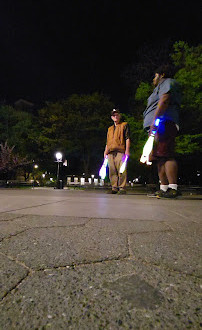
x,y
180,250
128,225
107,295
16,225
53,247
11,273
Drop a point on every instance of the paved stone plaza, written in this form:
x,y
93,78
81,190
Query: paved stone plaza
x,y
81,259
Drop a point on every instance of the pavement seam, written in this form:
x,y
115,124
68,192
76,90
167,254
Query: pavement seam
x,y
13,235
80,264
14,287
129,249
16,261
177,230
40,227
181,215
34,206
17,217
160,266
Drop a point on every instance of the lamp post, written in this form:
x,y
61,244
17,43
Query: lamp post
x,y
59,184
35,168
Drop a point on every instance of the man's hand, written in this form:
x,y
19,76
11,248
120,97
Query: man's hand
x,y
106,151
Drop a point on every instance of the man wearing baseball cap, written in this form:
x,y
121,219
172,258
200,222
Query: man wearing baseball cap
x,y
117,147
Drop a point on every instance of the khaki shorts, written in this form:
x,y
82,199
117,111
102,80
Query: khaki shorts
x,y
164,142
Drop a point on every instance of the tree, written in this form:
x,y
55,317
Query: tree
x,y
148,57
9,161
188,61
18,128
77,127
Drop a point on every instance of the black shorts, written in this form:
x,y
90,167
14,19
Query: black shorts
x,y
164,142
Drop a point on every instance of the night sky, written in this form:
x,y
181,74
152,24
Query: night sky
x,y
51,49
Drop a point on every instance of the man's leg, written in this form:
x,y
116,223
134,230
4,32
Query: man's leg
x,y
162,178
162,172
122,178
167,165
171,170
168,175
113,175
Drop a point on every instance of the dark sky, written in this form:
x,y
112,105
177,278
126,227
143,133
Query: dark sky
x,y
51,49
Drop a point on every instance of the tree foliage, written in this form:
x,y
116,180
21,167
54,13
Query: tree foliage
x,y
18,128
77,127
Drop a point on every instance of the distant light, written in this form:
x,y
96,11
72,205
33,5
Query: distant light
x,y
36,166
92,176
51,179
43,175
58,156
82,181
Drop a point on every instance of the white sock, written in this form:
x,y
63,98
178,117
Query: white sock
x,y
164,187
172,186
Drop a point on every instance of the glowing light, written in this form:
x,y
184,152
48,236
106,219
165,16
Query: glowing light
x,y
58,156
123,166
103,169
147,150
149,144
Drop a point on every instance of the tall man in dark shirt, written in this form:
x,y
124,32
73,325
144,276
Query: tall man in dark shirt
x,y
117,147
164,103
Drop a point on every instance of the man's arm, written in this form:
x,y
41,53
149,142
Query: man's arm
x,y
161,108
127,152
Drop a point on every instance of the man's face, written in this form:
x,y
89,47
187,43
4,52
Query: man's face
x,y
116,117
157,78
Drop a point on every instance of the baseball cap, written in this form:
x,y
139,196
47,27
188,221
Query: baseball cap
x,y
115,111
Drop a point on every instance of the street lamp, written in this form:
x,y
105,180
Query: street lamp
x,y
58,156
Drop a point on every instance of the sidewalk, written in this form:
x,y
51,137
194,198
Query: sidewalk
x,y
77,259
